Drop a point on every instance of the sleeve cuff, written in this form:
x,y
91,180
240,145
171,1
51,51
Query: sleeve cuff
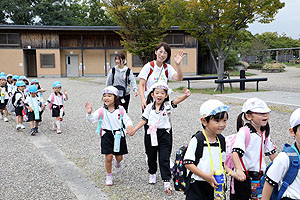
x,y
145,119
270,153
188,162
239,151
173,105
270,181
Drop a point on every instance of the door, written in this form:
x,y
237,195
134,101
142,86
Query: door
x,y
72,65
30,69
112,60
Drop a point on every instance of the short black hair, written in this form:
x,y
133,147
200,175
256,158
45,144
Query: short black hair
x,y
166,47
217,116
295,128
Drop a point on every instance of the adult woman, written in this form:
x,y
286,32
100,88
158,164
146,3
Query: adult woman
x,y
121,77
159,70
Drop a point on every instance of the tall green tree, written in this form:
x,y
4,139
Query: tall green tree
x,y
97,13
141,27
219,22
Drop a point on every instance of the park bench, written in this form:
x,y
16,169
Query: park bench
x,y
242,82
192,78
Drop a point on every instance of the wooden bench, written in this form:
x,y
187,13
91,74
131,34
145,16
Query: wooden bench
x,y
192,78
242,82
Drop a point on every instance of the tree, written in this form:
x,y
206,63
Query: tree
x,y
219,22
97,14
141,27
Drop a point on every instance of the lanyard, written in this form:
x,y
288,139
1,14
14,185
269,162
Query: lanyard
x,y
261,146
211,161
34,107
112,131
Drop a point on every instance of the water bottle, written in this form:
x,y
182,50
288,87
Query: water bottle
x,y
219,191
254,185
2,95
36,114
117,141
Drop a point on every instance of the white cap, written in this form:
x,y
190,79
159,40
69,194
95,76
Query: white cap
x,y
295,118
212,107
161,85
255,105
110,90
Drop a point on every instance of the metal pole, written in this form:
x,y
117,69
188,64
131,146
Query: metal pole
x,y
242,83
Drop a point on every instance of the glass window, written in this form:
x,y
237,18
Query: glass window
x,y
174,39
185,59
9,39
178,39
137,61
47,61
3,39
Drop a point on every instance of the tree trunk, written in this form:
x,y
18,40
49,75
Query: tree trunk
x,y
221,61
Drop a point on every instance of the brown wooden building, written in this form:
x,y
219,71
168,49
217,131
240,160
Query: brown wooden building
x,y
55,51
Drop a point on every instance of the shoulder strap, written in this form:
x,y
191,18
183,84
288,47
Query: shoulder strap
x,y
247,135
127,81
101,113
150,72
100,118
292,172
113,71
52,97
199,151
121,109
222,141
166,70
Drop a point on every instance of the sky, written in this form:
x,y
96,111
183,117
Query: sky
x,y
286,21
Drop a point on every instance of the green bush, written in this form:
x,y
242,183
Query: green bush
x,y
231,60
255,66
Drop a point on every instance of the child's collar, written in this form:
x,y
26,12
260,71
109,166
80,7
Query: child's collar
x,y
162,106
58,92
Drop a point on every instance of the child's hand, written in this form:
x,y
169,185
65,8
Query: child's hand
x,y
130,131
240,175
88,107
65,92
44,107
211,180
187,92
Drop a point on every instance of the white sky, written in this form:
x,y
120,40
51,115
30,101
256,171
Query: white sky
x,y
286,21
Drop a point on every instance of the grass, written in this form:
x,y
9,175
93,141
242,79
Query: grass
x,y
212,91
292,65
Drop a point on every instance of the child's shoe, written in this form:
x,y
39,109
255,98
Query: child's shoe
x,y
18,127
152,178
118,167
54,126
167,188
58,131
22,126
32,132
109,180
5,119
36,129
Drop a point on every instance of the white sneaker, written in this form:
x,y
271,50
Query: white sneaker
x,y
22,126
118,168
167,187
18,127
109,180
152,178
5,119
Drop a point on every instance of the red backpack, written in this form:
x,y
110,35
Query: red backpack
x,y
151,71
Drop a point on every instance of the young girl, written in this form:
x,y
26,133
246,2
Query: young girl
x,y
213,116
5,91
56,100
281,164
19,104
121,77
249,162
40,92
35,108
111,126
158,138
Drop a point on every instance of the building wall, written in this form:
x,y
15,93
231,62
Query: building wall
x,y
11,61
48,72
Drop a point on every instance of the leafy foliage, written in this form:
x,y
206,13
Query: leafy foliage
x,y
141,27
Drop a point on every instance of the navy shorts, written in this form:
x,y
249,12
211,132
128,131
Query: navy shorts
x,y
3,105
18,110
31,117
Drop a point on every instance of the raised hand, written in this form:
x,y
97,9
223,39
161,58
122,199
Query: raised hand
x,y
88,107
178,57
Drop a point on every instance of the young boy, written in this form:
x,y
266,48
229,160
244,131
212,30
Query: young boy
x,y
278,169
19,104
5,91
34,106
213,116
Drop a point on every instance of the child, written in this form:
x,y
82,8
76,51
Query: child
x,y
111,125
35,108
25,80
56,100
249,163
157,116
213,116
15,78
5,91
41,91
19,104
281,163
121,76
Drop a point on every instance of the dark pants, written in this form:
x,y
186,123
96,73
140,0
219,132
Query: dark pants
x,y
242,190
163,149
200,190
126,100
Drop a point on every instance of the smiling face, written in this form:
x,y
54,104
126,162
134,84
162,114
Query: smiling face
x,y
159,95
57,89
161,54
258,119
21,88
215,125
2,82
108,99
118,61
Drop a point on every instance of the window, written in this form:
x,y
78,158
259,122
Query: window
x,y
9,39
47,61
174,39
185,59
137,61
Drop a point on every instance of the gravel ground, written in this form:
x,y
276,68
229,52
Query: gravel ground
x,y
27,174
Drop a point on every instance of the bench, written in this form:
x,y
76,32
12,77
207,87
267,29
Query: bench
x,y
192,78
242,82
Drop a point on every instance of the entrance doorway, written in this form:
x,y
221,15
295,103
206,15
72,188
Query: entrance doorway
x,y
30,69
72,65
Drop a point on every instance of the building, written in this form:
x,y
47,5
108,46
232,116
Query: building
x,y
71,51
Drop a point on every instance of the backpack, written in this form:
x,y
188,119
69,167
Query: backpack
x,y
101,116
127,81
151,71
11,101
290,175
180,177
